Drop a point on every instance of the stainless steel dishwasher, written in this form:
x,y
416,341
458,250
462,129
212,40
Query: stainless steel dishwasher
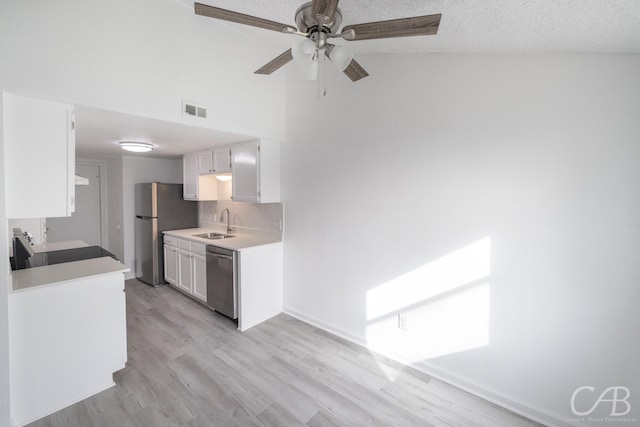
x,y
222,289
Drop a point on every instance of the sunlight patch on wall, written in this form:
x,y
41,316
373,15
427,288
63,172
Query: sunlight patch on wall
x,y
459,268
445,305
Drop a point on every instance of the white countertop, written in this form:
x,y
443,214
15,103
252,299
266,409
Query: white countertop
x,y
238,242
30,278
59,246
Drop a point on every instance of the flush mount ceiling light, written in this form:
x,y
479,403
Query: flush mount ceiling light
x,y
136,147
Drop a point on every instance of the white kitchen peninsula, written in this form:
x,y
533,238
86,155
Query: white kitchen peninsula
x,y
67,334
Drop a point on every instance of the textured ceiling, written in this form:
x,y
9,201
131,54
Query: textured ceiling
x,y
472,26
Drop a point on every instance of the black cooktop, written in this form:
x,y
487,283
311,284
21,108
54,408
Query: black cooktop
x,y
67,255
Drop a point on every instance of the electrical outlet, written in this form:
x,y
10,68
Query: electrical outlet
x,y
402,321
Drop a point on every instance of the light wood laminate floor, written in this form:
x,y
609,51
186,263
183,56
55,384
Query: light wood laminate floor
x,y
189,366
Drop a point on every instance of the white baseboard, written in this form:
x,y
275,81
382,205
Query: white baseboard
x,y
515,405
66,405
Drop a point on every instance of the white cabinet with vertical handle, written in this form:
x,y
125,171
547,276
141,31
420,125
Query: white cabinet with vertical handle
x,y
42,185
255,167
199,274
171,260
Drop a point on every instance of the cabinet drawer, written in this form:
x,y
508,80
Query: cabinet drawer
x,y
184,244
170,240
199,249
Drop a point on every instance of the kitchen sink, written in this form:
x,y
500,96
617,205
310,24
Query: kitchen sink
x,y
214,236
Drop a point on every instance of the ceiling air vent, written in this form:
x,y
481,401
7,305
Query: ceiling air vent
x,y
191,109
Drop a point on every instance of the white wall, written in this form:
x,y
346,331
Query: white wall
x,y
115,208
493,199
136,170
141,57
4,291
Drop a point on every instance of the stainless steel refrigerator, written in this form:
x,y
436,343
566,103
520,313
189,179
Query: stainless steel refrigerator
x,y
159,207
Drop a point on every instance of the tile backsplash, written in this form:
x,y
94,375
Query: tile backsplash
x,y
268,217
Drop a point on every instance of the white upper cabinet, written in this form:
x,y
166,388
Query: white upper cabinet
x,y
255,167
190,176
205,162
39,160
196,186
214,161
222,160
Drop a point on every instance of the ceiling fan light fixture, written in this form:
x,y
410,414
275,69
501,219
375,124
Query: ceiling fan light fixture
x,y
303,50
136,147
311,70
340,56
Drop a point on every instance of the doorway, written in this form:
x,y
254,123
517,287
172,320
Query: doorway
x,y
87,223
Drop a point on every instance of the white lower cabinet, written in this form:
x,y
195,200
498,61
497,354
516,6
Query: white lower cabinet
x,y
170,250
171,264
199,276
185,266
184,270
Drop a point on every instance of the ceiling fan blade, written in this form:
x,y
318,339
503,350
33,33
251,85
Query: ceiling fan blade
x,y
276,63
324,10
240,18
355,71
405,27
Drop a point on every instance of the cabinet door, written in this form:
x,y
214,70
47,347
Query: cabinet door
x,y
199,277
190,176
222,160
205,162
245,165
39,157
71,162
184,270
171,264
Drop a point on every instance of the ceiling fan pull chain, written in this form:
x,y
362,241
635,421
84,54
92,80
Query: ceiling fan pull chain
x,y
322,74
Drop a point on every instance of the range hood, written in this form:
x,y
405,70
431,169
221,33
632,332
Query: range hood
x,y
80,180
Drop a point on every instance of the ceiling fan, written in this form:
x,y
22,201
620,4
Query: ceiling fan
x,y
319,21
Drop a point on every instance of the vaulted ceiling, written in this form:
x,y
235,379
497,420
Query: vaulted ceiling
x,y
467,26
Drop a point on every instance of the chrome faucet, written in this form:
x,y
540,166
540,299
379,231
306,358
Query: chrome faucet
x,y
229,229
